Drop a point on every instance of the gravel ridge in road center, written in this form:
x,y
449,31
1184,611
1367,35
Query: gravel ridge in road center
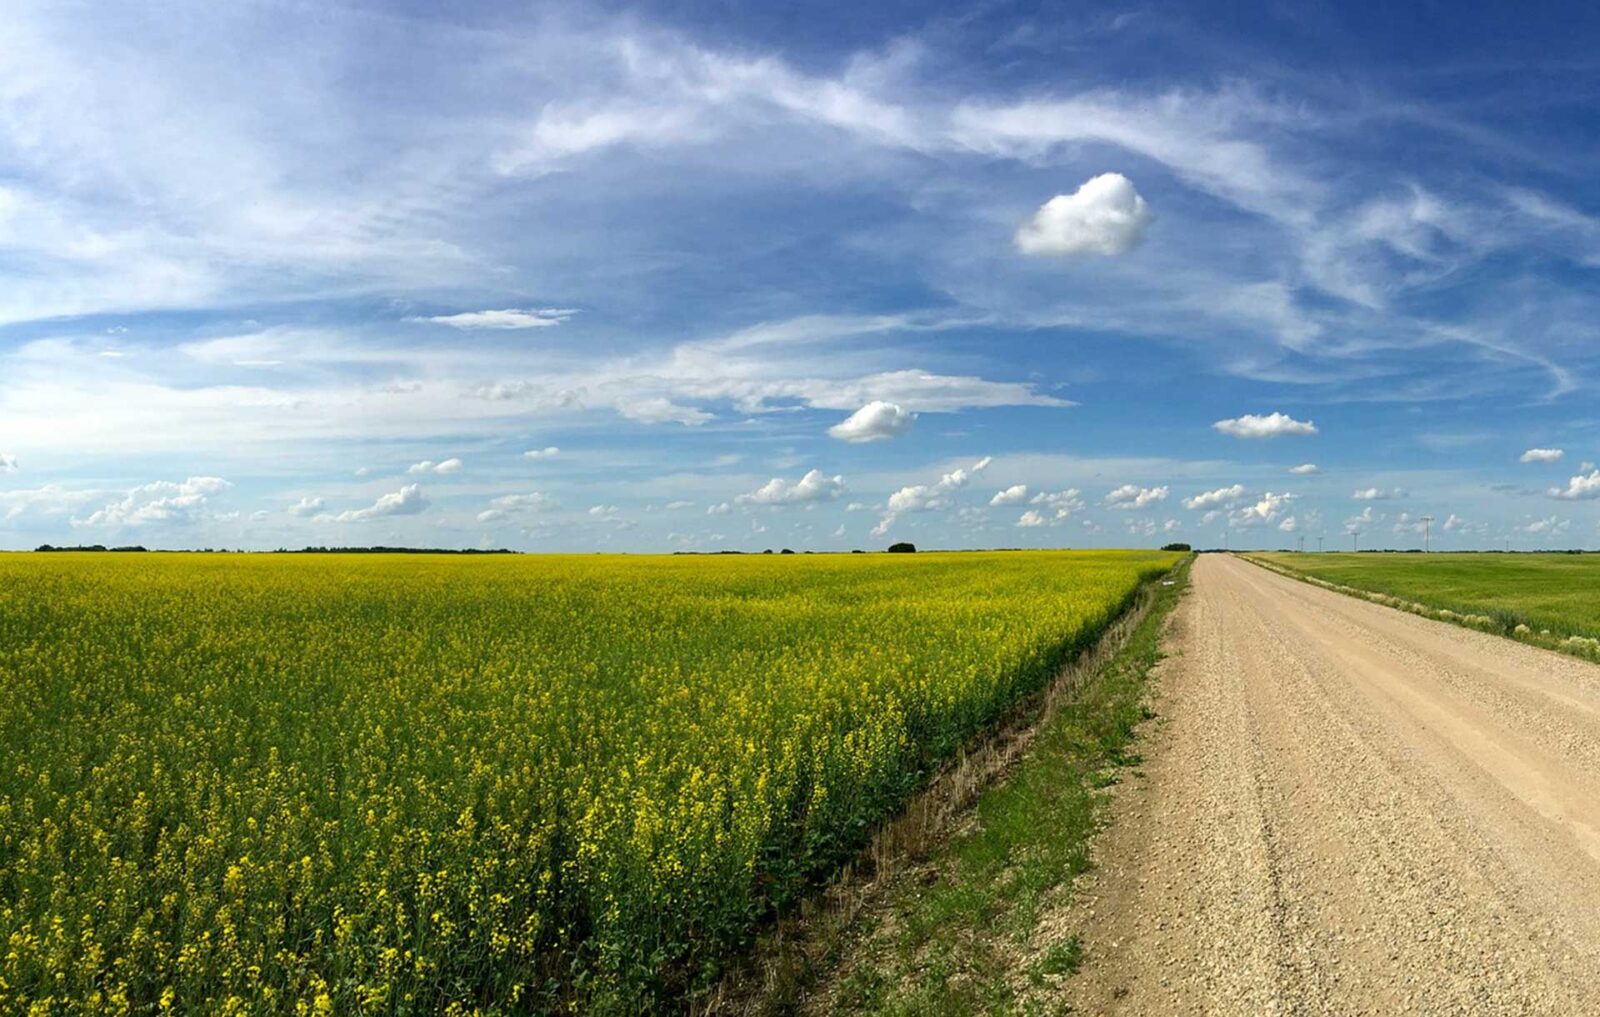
x,y
1347,809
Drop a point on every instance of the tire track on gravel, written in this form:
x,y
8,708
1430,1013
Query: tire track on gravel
x,y
1350,810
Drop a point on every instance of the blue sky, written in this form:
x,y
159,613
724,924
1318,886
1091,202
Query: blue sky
x,y
701,276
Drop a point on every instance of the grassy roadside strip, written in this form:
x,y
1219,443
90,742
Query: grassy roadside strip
x,y
959,932
1498,623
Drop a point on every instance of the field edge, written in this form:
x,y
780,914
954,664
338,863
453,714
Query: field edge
x,y
1582,647
805,949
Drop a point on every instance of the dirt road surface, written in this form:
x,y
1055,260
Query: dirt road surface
x,y
1349,810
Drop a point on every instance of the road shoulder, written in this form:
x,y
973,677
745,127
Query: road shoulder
x,y
973,929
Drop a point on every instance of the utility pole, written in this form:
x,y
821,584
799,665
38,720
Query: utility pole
x,y
1427,534
1355,538
1319,545
1302,543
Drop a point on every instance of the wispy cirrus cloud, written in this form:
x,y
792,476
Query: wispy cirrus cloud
x,y
1377,493
231,283
506,318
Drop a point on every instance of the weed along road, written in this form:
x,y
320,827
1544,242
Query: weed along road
x,y
1346,809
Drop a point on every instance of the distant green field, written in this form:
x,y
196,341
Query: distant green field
x,y
1559,592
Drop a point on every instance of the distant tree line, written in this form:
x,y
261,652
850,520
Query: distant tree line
x,y
91,547
285,550
380,549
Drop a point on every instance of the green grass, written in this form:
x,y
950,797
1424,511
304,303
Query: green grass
x,y
1558,592
967,938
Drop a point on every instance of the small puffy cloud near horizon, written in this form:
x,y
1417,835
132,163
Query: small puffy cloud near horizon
x,y
1583,487
408,501
813,486
1131,496
445,467
1271,425
1010,496
307,506
1542,455
1221,497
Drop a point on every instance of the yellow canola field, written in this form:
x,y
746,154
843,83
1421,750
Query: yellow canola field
x,y
421,784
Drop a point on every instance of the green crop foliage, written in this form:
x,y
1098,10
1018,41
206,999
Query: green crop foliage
x,y
413,784
1555,592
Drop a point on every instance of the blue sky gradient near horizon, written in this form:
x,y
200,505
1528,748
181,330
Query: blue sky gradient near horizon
x,y
706,276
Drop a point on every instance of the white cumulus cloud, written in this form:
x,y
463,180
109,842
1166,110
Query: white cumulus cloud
x,y
927,497
307,506
1378,493
408,501
1580,488
1266,511
1011,495
814,486
1549,526
1062,503
1212,499
1305,469
1542,455
447,466
876,421
164,501
548,452
1271,425
1132,496
1105,215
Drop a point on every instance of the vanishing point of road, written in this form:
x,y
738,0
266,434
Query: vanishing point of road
x,y
1346,809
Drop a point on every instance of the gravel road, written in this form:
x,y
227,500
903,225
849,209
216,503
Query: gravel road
x,y
1347,809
